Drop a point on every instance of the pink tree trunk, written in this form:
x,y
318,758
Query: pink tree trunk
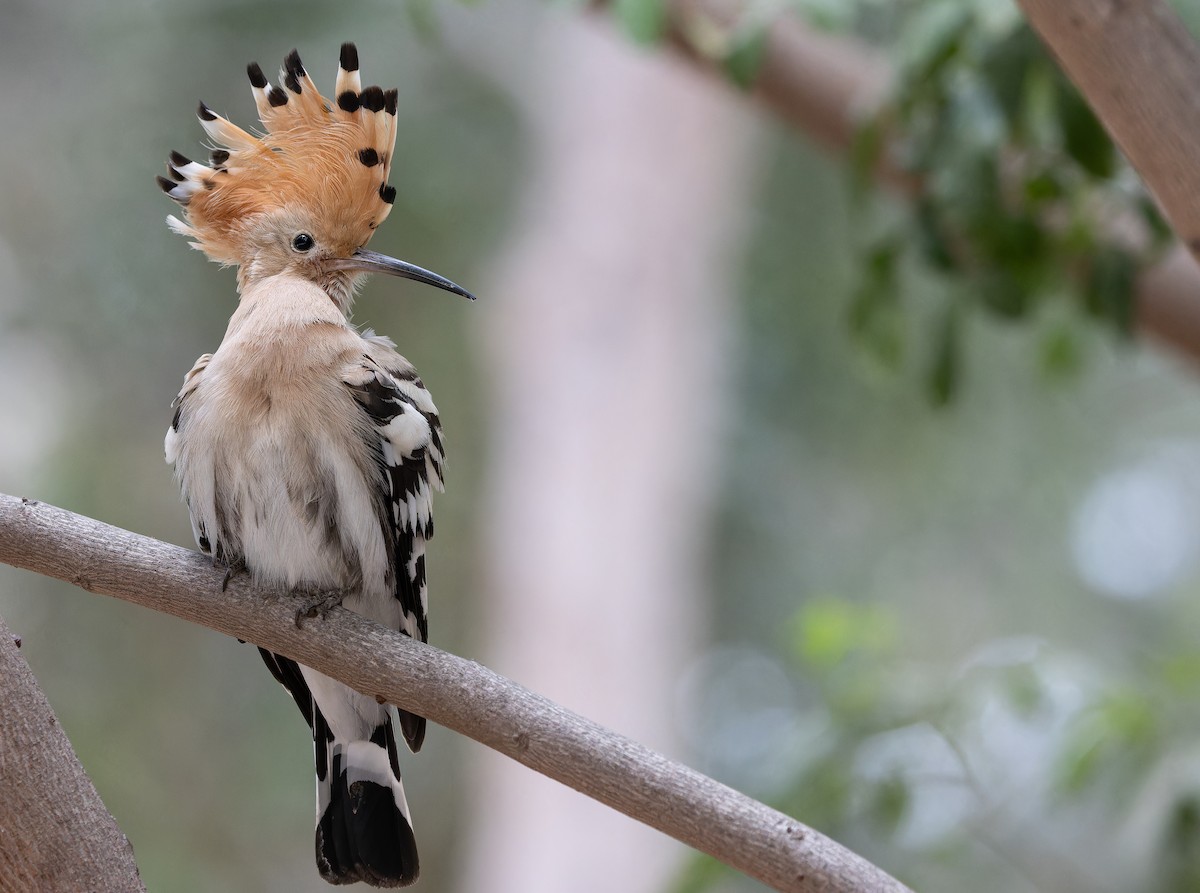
x,y
604,331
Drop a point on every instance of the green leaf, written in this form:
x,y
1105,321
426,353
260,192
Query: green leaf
x,y
889,803
745,54
1044,186
1016,241
966,186
1002,293
942,381
1181,672
825,792
1183,830
700,873
866,149
932,39
1060,353
1039,124
643,20
875,318
931,236
1128,718
1108,291
1084,137
1013,162
1160,229
828,630
827,633
1005,67
1080,764
1117,733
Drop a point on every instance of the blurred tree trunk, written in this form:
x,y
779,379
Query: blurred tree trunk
x,y
603,331
55,833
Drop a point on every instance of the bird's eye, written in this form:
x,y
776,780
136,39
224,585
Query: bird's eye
x,y
302,242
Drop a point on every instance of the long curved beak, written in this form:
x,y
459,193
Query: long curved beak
x,y
364,261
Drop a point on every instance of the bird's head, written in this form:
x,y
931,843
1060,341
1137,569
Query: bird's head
x,y
306,196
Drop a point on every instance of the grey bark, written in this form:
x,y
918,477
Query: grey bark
x,y
55,833
456,693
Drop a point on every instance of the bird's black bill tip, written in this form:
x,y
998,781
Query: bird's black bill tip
x,y
364,261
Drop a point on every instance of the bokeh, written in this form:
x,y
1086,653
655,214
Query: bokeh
x,y
959,638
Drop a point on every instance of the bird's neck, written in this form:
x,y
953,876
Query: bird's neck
x,y
339,286
274,307
284,327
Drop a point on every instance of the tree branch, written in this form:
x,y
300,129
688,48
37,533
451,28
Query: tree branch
x,y
456,693
819,84
1138,67
55,833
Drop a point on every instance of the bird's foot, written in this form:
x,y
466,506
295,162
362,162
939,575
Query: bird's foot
x,y
317,603
233,569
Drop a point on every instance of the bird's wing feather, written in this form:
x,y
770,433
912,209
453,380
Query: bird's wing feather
x,y
171,444
410,456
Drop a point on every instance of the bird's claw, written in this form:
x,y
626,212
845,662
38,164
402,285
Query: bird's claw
x,y
317,603
232,570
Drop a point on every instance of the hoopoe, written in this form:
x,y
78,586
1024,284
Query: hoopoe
x,y
305,449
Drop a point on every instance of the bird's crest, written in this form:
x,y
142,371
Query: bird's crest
x,y
329,158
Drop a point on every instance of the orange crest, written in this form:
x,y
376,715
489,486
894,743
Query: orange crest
x,y
330,159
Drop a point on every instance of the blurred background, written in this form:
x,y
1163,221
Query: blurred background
x,y
879,511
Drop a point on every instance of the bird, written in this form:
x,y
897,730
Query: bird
x,y
306,449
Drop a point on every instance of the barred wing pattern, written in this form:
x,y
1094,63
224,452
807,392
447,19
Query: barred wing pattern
x,y
411,457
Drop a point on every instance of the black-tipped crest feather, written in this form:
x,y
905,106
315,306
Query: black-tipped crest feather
x,y
331,157
293,64
372,99
257,78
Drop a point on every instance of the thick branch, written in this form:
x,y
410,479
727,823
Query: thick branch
x,y
449,690
55,833
819,84
1138,67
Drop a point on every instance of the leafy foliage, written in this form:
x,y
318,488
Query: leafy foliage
x,y
1029,763
643,20
926,764
1024,199
1024,212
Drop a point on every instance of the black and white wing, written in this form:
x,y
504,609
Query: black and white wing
x,y
411,459
171,443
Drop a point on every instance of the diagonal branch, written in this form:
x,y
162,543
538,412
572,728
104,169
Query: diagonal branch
x,y
820,83
1137,66
456,693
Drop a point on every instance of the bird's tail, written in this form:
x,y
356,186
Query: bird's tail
x,y
364,832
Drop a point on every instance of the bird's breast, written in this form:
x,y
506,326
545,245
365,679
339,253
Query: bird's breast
x,y
277,457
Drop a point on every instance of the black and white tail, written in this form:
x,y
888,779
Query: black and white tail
x,y
364,829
